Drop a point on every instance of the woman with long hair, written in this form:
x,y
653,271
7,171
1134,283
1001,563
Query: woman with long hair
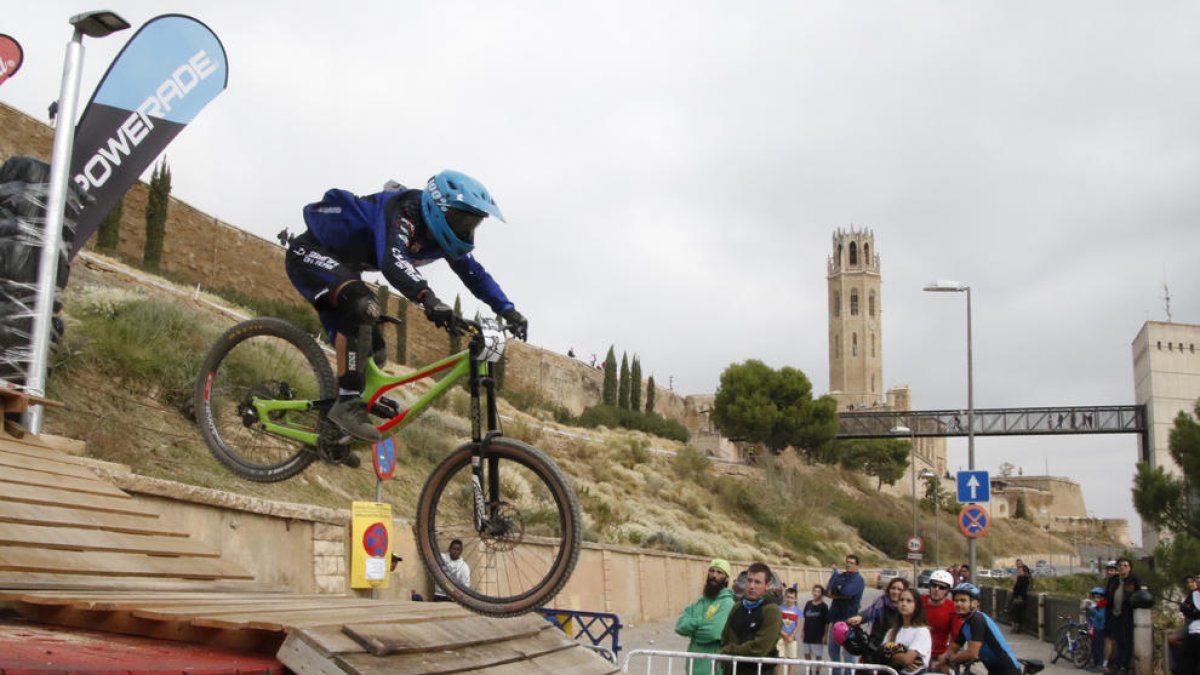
x,y
881,614
909,643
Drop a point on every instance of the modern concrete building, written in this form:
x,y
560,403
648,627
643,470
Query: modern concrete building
x,y
1166,377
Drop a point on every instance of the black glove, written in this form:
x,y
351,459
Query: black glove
x,y
517,323
437,311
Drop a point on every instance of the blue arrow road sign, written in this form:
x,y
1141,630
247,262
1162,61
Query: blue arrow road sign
x,y
973,486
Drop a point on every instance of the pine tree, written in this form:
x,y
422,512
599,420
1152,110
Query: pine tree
x,y
109,234
623,384
650,394
156,215
609,395
635,389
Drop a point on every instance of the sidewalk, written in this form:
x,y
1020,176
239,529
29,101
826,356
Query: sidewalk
x,y
661,635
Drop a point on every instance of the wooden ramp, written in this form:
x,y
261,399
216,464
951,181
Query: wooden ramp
x,y
62,526
322,634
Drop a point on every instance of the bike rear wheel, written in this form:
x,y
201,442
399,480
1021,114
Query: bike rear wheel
x,y
1062,645
264,358
1083,650
531,534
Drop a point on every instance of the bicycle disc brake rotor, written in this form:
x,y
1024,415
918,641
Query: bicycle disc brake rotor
x,y
504,529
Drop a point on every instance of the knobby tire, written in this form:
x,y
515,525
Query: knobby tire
x,y
268,358
515,570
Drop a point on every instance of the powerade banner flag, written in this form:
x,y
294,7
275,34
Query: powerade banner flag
x,y
11,56
170,69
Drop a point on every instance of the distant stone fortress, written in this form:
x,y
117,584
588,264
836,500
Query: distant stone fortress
x,y
202,250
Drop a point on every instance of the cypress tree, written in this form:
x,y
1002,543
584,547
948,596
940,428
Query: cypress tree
x,y
156,215
609,395
635,389
455,338
402,332
109,234
623,384
650,394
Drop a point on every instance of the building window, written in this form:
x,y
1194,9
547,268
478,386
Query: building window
x,y
837,303
853,302
854,344
853,254
872,347
841,263
1159,345
871,303
866,255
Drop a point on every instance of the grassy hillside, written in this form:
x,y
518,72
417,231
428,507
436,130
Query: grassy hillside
x,y
128,363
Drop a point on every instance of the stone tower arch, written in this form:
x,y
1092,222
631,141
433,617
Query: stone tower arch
x,y
855,370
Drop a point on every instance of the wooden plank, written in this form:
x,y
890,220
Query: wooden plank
x,y
37,581
67,498
132,600
78,539
24,559
577,661
318,617
58,516
384,639
302,658
90,485
326,640
457,660
46,461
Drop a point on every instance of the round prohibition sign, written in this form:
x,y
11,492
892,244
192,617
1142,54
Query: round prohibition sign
x,y
974,521
375,540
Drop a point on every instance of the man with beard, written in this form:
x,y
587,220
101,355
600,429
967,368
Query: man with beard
x,y
703,620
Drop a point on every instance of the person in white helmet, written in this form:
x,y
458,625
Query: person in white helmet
x,y
939,611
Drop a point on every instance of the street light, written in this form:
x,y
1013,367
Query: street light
x,y
944,286
92,24
901,429
937,535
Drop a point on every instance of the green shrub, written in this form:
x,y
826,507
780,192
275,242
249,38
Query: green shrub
x,y
886,535
293,312
530,401
651,423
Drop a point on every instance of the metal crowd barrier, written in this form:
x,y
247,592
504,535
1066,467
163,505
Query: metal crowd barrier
x,y
595,626
738,665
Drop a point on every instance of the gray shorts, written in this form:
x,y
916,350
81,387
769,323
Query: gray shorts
x,y
816,651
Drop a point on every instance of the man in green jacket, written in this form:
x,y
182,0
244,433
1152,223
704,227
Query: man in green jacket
x,y
703,620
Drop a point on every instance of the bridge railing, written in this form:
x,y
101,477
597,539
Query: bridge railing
x,y
1120,419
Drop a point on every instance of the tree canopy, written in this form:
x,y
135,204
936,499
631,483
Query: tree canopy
x,y
884,458
1170,502
774,407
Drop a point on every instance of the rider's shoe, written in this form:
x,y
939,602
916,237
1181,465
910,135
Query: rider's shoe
x,y
350,415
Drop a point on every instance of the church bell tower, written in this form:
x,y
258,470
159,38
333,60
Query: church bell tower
x,y
855,328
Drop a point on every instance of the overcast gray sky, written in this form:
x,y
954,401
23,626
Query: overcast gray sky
x,y
672,172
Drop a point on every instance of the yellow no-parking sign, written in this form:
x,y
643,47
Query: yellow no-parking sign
x,y
370,545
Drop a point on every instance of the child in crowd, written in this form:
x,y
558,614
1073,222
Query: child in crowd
x,y
1093,609
815,621
790,609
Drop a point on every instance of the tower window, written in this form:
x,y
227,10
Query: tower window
x,y
853,302
866,255
841,262
837,303
854,344
871,303
853,254
872,346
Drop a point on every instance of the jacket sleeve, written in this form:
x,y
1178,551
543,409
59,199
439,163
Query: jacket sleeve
x,y
764,639
701,627
687,623
480,283
397,266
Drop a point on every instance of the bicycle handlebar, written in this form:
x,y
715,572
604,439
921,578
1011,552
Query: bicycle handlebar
x,y
457,325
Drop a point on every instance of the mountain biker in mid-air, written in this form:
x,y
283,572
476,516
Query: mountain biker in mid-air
x,y
978,639
394,232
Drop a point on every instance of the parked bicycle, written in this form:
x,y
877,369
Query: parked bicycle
x,y
1073,642
261,397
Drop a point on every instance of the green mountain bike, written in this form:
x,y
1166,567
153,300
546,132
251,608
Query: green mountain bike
x,y
261,397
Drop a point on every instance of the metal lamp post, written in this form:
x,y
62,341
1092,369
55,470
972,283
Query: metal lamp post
x,y
944,286
901,429
92,24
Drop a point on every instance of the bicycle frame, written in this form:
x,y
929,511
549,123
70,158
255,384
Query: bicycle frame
x,y
378,383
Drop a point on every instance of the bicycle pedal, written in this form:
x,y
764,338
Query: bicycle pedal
x,y
385,407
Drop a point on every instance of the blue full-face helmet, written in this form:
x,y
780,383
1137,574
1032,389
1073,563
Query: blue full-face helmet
x,y
453,205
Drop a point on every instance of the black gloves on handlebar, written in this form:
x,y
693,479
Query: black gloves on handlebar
x,y
517,323
437,311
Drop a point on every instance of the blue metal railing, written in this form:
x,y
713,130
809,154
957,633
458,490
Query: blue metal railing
x,y
595,626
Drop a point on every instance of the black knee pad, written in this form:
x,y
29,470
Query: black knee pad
x,y
356,307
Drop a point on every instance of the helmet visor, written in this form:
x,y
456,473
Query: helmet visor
x,y
463,224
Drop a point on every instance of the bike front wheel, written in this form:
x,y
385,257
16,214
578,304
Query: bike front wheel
x,y
265,359
1062,645
1083,651
523,551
